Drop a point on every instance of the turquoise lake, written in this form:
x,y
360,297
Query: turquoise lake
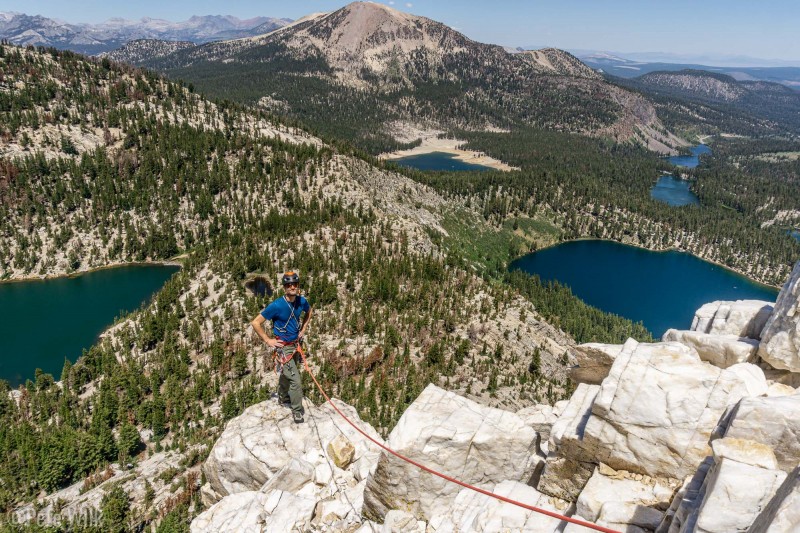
x,y
44,322
673,191
693,160
660,289
436,161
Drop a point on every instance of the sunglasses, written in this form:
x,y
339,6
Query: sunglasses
x,y
291,285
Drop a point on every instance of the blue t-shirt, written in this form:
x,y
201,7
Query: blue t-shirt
x,y
285,317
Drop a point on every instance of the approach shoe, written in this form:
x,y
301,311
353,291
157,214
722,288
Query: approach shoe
x,y
298,418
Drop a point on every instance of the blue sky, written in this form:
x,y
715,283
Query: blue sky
x,y
712,28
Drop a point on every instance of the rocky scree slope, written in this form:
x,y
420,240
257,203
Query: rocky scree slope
x,y
119,165
657,437
416,69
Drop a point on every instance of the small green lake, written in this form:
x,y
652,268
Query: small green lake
x,y
660,289
673,191
44,322
437,161
690,161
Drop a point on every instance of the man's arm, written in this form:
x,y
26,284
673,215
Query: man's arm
x,y
306,318
258,326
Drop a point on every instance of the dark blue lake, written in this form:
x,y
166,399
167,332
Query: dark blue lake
x,y
795,233
693,160
44,322
437,161
660,289
673,191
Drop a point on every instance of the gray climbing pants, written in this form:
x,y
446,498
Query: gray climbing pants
x,y
290,388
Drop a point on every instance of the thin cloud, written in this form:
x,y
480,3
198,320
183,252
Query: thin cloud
x,y
409,4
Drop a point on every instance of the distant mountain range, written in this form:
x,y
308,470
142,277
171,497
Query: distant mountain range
x,y
92,39
630,68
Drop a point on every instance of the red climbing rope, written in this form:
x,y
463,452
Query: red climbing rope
x,y
443,476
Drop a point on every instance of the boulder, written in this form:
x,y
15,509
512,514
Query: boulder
x,y
780,339
721,505
341,451
453,435
773,421
655,411
782,513
256,512
742,318
264,439
564,477
475,512
593,361
624,499
719,350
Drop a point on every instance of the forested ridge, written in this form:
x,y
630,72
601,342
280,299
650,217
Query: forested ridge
x,y
107,164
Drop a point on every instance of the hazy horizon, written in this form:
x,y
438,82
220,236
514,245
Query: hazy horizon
x,y
682,30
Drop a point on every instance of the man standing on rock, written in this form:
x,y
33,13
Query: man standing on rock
x,y
285,314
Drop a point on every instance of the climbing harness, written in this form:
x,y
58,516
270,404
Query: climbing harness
x,y
292,316
443,476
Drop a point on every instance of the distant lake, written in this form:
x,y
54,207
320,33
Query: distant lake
x,y
693,160
660,289
437,161
44,322
795,233
673,191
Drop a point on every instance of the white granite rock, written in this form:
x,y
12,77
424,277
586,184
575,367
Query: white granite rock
x,y
721,505
779,389
656,410
563,476
402,522
341,511
456,436
780,339
292,477
541,418
782,513
593,361
774,421
262,440
475,512
256,512
719,350
743,318
621,499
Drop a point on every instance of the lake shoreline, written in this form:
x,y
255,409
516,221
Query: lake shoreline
x,y
432,143
170,262
660,290
670,249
